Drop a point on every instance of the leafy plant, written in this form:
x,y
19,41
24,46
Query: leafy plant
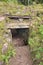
x,y
5,58
41,30
41,63
38,55
36,42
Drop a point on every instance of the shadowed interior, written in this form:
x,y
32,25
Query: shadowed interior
x,y
20,36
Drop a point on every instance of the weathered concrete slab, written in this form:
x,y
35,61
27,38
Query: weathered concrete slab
x,y
18,25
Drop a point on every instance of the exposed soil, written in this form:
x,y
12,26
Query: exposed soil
x,y
18,41
23,56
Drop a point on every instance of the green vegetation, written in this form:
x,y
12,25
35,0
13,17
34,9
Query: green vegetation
x,y
5,58
36,43
10,52
35,10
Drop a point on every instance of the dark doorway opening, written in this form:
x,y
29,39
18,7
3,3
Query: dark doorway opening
x,y
20,36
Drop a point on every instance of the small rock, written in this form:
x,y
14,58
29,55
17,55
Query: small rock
x,y
5,47
20,20
8,39
2,18
9,31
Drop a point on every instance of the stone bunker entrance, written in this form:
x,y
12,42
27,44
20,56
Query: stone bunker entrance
x,y
20,43
20,36
19,30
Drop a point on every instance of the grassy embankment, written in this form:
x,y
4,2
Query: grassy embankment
x,y
36,28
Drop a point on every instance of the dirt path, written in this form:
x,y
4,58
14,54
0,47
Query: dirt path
x,y
22,53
